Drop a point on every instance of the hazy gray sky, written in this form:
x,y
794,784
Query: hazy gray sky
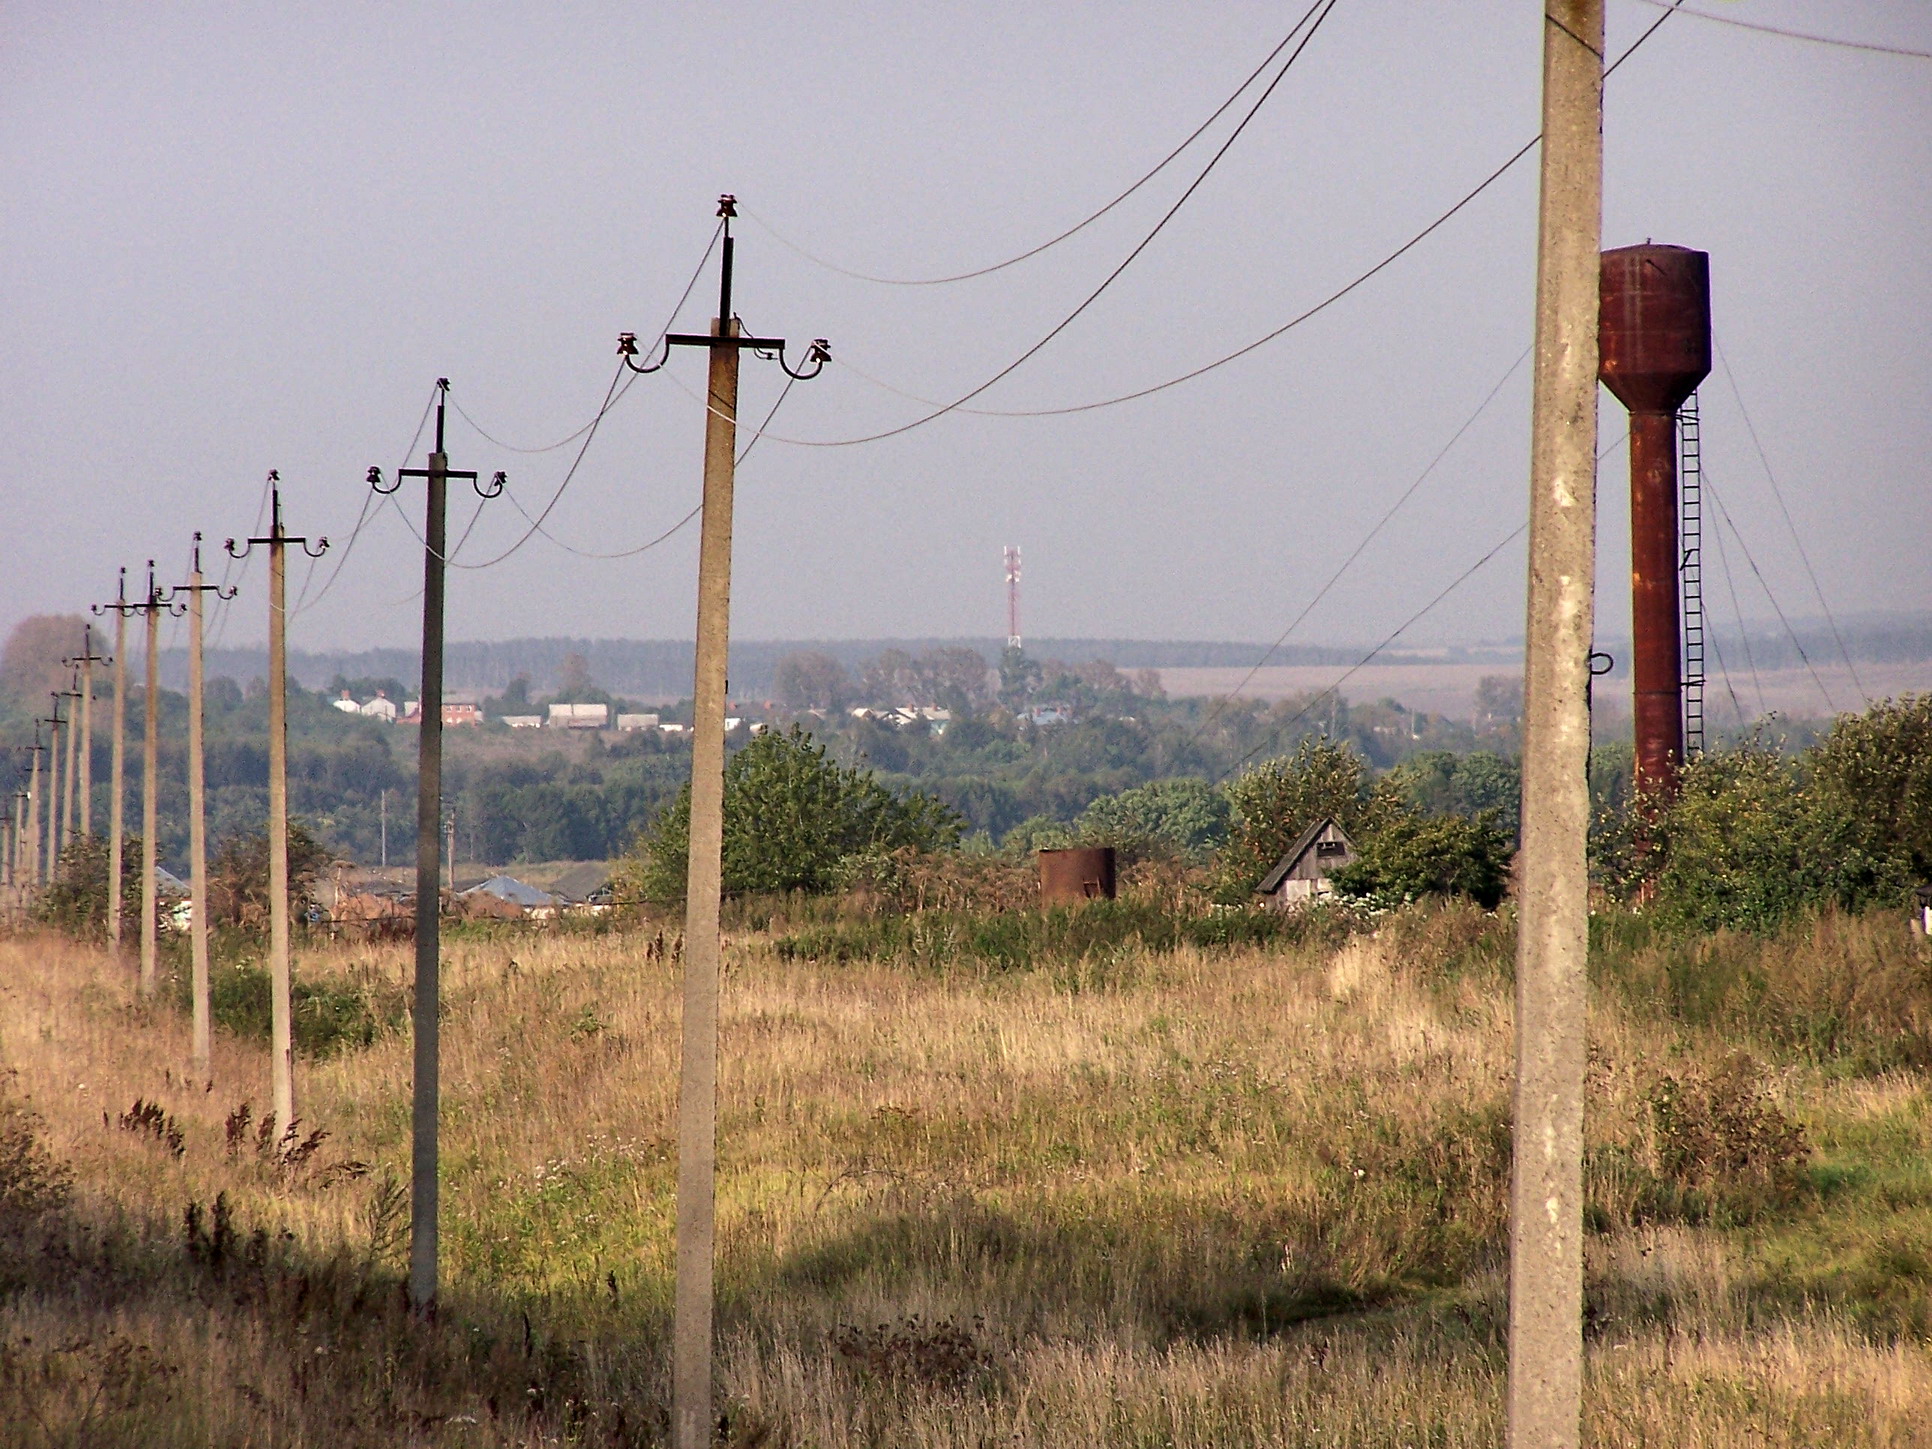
x,y
250,237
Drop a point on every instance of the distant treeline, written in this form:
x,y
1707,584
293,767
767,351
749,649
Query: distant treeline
x,y
661,668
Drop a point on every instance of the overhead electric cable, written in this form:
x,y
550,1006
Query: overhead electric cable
x,y
696,508
1796,538
536,524
364,514
1073,230
1764,583
1780,31
1226,358
1737,612
670,322
1326,7
1364,661
1225,700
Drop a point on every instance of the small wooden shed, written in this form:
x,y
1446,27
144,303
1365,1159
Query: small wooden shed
x,y
1301,875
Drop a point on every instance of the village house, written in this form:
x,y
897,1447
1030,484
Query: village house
x,y
579,716
1301,875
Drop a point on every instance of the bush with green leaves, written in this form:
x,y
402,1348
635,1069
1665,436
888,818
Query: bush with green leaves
x,y
75,900
1754,838
1182,818
1273,803
1876,768
1410,857
791,818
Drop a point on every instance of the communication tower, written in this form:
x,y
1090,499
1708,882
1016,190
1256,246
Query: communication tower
x,y
1012,596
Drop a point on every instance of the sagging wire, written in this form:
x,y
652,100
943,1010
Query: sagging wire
x,y
1222,704
1797,539
1765,584
1275,732
670,322
696,508
1071,231
1258,343
1743,632
364,516
1761,28
1326,8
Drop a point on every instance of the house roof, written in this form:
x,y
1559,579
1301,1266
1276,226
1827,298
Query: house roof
x,y
509,888
581,880
1303,843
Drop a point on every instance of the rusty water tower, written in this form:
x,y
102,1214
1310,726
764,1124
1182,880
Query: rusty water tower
x,y
1654,333
1071,877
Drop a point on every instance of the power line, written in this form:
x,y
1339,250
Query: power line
x,y
1737,612
1765,584
1783,508
364,515
670,322
1779,30
536,524
1073,230
1239,352
1221,704
1327,7
1363,662
696,508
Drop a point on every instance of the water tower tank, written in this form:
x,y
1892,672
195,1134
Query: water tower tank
x,y
1654,348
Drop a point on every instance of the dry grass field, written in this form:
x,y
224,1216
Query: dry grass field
x,y
1230,1197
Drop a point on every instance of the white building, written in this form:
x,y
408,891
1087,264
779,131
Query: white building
x,y
626,723
381,707
347,704
580,716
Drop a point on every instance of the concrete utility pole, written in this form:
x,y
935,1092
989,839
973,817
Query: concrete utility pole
x,y
691,1369
117,775
56,730
195,588
280,1011
150,785
85,661
71,771
33,812
425,1108
1546,1191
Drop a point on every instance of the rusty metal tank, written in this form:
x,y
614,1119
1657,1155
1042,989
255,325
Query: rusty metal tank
x,y
1071,877
1654,348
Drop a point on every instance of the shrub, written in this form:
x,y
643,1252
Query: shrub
x,y
1416,856
1274,803
791,817
1750,842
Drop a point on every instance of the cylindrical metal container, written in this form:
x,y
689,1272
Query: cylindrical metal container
x,y
1654,347
1070,877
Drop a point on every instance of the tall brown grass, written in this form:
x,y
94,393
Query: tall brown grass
x,y
1244,1197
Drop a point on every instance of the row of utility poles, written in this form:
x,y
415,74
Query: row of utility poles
x,y
1545,1339
38,831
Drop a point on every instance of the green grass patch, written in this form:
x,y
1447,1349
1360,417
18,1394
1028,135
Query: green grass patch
x,y
1024,940
330,1016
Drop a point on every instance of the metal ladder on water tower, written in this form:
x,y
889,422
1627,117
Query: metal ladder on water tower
x,y
1690,570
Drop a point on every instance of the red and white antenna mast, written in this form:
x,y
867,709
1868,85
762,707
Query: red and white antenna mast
x,y
1012,597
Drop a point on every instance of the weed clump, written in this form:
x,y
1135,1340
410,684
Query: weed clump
x,y
942,1355
147,1119
330,1016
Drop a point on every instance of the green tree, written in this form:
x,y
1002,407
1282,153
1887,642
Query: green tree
x,y
1876,768
791,817
1412,856
1185,817
1750,842
1019,676
1275,802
